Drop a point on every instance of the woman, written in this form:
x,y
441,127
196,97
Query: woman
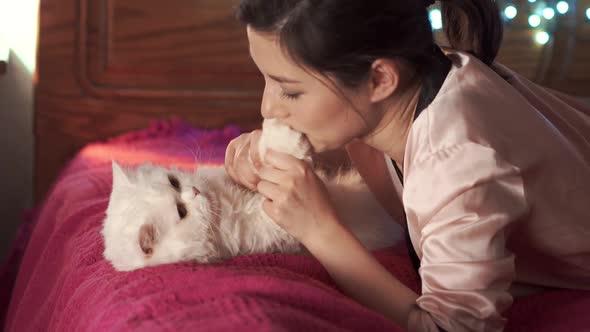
x,y
491,170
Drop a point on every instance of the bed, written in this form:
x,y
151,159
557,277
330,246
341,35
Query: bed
x,y
168,82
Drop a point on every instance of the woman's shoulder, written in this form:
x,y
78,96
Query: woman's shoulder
x,y
474,105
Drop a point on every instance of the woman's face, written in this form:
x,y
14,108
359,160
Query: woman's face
x,y
307,102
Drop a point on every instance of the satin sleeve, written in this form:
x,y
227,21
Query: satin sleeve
x,y
461,203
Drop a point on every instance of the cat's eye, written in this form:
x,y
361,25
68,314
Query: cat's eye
x,y
181,210
174,182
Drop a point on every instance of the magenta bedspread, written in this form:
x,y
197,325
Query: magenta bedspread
x,y
64,284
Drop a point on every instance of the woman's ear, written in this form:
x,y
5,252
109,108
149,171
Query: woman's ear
x,y
384,79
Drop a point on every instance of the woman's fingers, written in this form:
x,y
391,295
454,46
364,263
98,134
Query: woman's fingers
x,y
269,190
270,209
230,152
282,161
237,163
254,153
248,179
271,174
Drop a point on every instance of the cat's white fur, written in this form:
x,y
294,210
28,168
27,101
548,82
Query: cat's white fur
x,y
282,138
143,226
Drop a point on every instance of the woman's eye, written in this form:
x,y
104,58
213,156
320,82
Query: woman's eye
x,y
290,95
181,210
174,182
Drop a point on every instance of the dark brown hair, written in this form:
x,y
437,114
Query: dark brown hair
x,y
343,37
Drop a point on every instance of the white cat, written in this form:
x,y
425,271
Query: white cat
x,y
158,215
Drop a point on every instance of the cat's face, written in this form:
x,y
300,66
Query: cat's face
x,y
157,216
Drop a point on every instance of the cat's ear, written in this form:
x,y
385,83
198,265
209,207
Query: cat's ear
x,y
120,176
147,238
145,167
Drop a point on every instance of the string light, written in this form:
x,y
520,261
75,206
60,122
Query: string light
x,y
563,7
435,16
542,37
541,16
548,13
534,20
510,12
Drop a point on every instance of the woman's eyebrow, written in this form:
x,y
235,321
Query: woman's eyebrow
x,y
283,79
279,79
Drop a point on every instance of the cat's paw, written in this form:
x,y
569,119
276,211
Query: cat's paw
x,y
281,138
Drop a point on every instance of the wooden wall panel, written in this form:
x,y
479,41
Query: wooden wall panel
x,y
187,48
110,66
576,75
520,52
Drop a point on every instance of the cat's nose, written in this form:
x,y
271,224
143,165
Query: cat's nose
x,y
196,191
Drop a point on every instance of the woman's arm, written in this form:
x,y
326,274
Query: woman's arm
x,y
314,222
298,201
361,276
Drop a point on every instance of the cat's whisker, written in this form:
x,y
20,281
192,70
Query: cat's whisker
x,y
188,148
198,147
195,151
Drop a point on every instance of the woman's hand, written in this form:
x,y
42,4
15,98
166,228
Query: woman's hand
x,y
297,200
242,159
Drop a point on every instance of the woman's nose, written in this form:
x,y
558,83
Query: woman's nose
x,y
271,108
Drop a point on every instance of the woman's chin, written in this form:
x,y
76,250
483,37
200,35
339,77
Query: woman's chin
x,y
319,147
314,145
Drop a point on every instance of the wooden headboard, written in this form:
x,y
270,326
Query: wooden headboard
x,y
109,66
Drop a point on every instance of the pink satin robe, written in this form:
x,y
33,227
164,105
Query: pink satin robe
x,y
496,191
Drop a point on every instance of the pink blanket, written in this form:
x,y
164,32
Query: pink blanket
x,y
64,284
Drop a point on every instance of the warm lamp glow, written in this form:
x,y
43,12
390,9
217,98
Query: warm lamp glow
x,y
3,49
18,30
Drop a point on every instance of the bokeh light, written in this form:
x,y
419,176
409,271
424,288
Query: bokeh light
x,y
534,20
436,19
542,37
563,7
548,13
510,12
